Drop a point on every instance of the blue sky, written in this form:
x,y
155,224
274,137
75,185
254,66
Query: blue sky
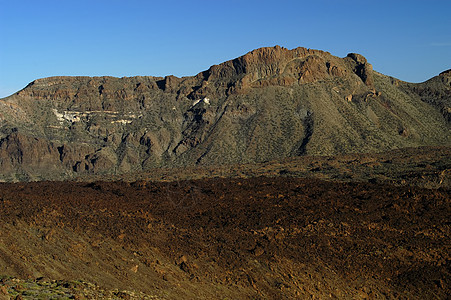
x,y
410,40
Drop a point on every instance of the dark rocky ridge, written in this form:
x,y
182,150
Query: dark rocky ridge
x,y
270,103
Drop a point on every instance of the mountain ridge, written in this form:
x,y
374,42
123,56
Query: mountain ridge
x,y
269,103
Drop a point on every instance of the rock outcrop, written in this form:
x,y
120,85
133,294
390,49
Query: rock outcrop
x,y
362,69
267,104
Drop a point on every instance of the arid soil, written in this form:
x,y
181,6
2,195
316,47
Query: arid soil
x,y
225,238
428,167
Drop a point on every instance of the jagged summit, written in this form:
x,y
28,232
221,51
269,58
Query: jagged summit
x,y
269,103
260,67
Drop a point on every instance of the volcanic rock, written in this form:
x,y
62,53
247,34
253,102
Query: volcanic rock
x,y
267,104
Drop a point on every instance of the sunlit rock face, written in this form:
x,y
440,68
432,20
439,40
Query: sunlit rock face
x,y
268,104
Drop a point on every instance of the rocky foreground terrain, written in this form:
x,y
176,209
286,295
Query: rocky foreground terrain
x,y
260,231
282,174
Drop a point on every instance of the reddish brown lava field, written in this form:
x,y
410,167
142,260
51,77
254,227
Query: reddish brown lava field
x,y
256,238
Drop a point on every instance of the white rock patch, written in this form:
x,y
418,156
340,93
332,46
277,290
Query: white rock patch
x,y
122,121
205,100
76,116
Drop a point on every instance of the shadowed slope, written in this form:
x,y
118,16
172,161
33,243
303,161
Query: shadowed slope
x,y
267,104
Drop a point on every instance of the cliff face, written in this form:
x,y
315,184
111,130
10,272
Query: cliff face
x,y
268,104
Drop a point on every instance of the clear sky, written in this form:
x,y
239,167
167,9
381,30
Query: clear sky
x,y
410,40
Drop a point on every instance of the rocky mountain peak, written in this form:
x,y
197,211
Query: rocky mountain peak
x,y
263,62
269,103
269,66
278,66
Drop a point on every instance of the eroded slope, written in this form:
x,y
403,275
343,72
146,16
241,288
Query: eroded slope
x,y
268,104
